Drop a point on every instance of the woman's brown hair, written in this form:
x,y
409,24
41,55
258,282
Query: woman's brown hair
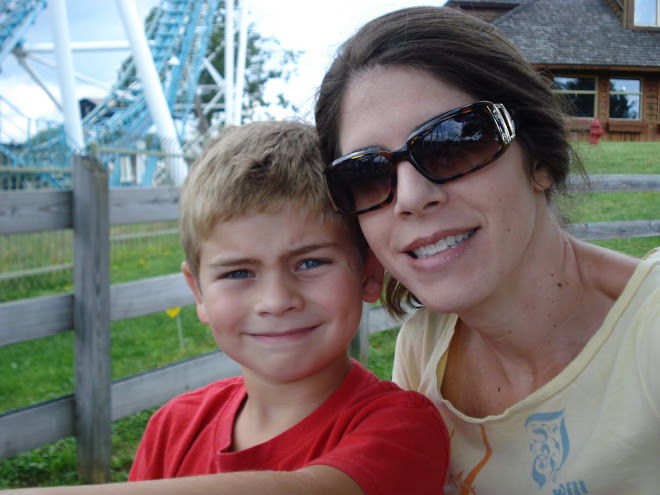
x,y
468,54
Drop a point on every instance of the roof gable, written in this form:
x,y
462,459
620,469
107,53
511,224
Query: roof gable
x,y
584,32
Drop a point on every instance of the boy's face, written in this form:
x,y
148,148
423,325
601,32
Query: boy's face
x,y
282,292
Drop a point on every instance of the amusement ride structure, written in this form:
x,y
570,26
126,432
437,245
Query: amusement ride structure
x,y
152,104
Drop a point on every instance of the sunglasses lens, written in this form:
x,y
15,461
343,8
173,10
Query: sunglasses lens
x,y
457,144
461,141
360,182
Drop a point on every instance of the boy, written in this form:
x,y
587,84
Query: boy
x,y
279,277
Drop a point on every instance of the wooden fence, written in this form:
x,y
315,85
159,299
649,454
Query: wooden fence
x,y
90,208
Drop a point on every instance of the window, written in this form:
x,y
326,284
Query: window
x,y
580,93
625,97
647,12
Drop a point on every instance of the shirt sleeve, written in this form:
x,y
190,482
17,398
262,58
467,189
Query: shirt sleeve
x,y
147,464
649,352
397,444
406,368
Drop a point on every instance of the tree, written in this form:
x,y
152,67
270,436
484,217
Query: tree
x,y
266,61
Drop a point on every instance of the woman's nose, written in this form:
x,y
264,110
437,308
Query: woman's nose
x,y
277,296
415,194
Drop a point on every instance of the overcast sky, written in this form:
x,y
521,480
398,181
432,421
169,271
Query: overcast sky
x,y
314,27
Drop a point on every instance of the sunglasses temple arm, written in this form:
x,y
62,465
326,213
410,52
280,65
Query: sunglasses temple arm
x,y
504,117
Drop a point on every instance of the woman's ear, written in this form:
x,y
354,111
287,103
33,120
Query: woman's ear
x,y
197,292
541,178
372,278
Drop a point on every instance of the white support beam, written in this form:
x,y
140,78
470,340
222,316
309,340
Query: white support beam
x,y
153,91
240,62
60,27
229,62
80,46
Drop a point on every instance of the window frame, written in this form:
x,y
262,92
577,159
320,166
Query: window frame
x,y
593,92
657,15
639,93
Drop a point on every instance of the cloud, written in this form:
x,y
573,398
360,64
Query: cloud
x,y
316,28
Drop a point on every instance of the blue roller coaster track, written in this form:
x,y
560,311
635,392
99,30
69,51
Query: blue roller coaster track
x,y
178,35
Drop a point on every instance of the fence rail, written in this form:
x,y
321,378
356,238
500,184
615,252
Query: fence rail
x,y
95,396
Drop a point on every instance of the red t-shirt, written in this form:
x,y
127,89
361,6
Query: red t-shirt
x,y
388,440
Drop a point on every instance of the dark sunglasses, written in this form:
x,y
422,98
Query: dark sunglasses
x,y
444,149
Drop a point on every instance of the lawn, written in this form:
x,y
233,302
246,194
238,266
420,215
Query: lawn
x,y
35,371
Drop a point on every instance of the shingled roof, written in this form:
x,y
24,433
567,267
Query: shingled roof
x,y
574,32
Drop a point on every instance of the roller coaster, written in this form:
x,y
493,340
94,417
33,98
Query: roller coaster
x,y
177,35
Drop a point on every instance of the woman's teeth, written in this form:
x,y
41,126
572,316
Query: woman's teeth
x,y
448,242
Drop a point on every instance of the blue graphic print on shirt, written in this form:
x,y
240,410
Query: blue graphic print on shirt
x,y
549,445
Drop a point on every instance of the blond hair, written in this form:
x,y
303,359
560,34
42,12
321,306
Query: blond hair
x,y
262,167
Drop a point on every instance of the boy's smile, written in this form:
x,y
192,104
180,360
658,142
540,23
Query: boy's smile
x,y
282,292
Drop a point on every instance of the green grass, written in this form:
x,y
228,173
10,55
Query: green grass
x,y
620,158
608,207
55,464
35,371
138,344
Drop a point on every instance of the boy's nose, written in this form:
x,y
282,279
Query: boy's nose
x,y
415,194
277,296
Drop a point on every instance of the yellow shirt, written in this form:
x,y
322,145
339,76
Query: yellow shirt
x,y
594,428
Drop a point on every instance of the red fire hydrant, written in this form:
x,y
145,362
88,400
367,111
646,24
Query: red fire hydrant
x,y
595,131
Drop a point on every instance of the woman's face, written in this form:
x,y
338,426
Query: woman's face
x,y
453,245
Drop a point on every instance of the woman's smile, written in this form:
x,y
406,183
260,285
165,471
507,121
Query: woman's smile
x,y
450,242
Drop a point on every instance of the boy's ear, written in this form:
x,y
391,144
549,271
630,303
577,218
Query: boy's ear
x,y
192,283
372,278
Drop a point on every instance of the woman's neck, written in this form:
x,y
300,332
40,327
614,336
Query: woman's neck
x,y
527,333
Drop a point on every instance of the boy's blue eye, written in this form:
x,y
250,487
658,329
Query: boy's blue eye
x,y
238,274
312,263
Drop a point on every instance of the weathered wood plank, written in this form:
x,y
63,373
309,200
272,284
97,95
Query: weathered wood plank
x,y
615,230
91,318
38,317
156,387
32,211
29,319
143,297
142,205
618,183
35,426
359,345
47,422
380,320
35,211
34,318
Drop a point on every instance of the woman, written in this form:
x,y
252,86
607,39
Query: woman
x,y
539,350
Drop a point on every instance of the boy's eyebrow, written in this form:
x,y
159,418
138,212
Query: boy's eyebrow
x,y
308,248
221,261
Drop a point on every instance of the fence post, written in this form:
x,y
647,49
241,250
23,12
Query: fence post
x,y
91,317
359,346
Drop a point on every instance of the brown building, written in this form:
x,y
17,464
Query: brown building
x,y
603,55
